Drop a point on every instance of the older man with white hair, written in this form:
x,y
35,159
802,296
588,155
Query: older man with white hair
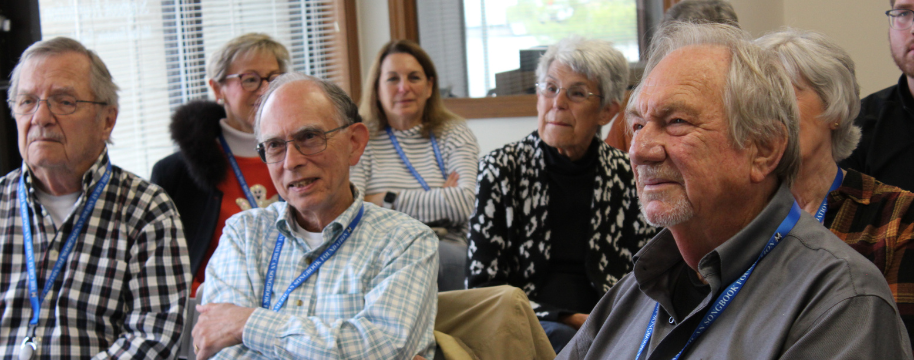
x,y
94,260
740,272
324,274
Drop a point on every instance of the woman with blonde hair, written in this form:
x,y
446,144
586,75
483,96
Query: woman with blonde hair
x,y
421,158
216,172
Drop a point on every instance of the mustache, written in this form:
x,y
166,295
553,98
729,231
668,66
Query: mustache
x,y
646,172
44,135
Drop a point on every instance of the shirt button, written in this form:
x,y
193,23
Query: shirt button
x,y
672,321
300,303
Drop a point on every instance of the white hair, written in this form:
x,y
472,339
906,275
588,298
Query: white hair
x,y
812,58
595,59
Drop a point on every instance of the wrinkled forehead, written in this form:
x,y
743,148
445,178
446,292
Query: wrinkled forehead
x,y
692,75
51,74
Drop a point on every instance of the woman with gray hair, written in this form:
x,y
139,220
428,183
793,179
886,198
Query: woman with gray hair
x,y
557,212
870,216
217,173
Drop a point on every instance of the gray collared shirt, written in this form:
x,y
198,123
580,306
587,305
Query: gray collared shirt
x,y
812,297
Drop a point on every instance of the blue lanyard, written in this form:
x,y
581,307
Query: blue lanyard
x,y
727,296
64,253
237,170
839,178
274,264
431,137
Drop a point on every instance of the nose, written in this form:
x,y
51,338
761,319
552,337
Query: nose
x,y
262,88
646,147
43,115
561,99
403,86
294,157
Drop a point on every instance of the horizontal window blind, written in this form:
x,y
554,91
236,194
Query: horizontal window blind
x,y
157,51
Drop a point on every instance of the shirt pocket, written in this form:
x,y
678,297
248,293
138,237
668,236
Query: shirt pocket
x,y
339,306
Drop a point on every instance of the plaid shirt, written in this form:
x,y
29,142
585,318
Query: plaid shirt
x,y
877,220
121,292
375,298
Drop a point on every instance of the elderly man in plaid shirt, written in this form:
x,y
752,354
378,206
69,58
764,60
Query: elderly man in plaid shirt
x,y
94,261
323,275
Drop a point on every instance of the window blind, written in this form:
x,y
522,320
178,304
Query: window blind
x,y
157,51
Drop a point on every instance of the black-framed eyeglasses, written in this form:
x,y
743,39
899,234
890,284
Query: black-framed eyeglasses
x,y
60,104
900,19
252,81
307,142
576,93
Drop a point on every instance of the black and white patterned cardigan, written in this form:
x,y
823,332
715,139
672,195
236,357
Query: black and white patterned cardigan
x,y
509,242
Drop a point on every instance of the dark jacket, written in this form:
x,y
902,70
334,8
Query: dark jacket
x,y
190,175
886,147
509,242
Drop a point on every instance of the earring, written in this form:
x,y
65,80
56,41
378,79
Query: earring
x,y
220,101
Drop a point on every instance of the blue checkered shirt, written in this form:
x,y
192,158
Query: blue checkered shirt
x,y
376,298
122,291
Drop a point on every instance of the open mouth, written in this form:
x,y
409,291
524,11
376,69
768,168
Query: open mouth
x,y
301,184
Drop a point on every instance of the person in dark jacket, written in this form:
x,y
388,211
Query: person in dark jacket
x,y
557,212
217,173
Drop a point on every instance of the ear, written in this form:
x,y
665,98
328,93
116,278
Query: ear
x,y
609,112
217,88
358,139
110,118
766,157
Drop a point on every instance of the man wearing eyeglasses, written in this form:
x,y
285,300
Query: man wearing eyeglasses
x,y
94,259
322,275
887,116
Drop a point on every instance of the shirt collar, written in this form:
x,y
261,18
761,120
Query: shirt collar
x,y
89,178
721,266
331,230
856,187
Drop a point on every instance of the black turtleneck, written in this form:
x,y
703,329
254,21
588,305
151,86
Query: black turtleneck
x,y
571,188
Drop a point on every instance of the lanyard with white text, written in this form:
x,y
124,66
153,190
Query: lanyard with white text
x,y
64,252
839,178
274,264
237,170
431,137
727,296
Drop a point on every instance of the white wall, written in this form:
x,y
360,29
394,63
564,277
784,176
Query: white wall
x,y
858,26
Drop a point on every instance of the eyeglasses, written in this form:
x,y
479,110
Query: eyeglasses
x,y
576,93
307,142
900,19
252,81
61,104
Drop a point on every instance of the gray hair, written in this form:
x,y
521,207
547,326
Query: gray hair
x,y
221,60
100,81
829,71
595,59
703,11
347,113
758,96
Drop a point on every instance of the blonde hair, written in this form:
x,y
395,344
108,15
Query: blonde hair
x,y
434,116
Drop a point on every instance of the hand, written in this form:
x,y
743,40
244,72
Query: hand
x,y
574,320
218,326
451,180
377,199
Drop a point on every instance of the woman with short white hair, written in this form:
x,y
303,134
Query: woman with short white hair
x,y
870,216
557,212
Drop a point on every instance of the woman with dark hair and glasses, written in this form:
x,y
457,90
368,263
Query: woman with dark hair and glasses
x,y
421,158
557,212
217,172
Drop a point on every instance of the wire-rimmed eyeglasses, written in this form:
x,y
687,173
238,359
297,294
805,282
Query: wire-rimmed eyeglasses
x,y
900,19
307,142
575,93
60,104
252,81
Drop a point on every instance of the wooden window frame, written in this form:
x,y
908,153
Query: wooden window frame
x,y
404,24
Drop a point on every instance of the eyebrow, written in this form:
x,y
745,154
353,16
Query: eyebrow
x,y
299,131
665,110
553,79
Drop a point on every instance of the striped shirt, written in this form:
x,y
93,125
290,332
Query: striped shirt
x,y
381,170
375,298
121,292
